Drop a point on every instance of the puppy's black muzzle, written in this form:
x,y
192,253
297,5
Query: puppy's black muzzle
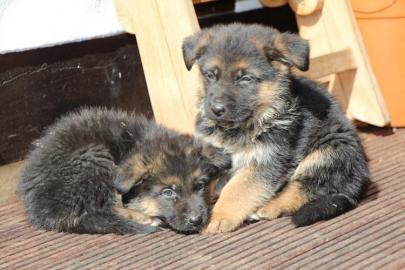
x,y
218,109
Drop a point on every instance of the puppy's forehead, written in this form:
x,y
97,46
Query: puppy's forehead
x,y
180,181
240,38
222,62
234,53
181,164
171,180
233,47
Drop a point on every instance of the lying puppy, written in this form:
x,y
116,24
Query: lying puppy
x,y
71,177
293,150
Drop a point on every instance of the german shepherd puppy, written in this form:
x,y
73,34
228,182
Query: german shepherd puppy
x,y
293,151
73,174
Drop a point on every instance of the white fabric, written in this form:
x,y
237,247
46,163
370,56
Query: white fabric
x,y
29,24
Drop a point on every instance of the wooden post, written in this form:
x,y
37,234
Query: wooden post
x,y
333,29
160,27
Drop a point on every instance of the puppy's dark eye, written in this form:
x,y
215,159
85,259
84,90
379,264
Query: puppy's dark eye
x,y
168,192
199,185
201,182
245,79
210,76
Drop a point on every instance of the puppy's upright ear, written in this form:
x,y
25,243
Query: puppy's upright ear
x,y
194,46
291,50
130,174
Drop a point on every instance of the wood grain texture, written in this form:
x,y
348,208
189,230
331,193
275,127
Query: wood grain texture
x,y
9,178
370,236
160,27
334,29
331,63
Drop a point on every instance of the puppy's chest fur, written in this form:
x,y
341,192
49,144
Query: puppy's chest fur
x,y
254,154
245,150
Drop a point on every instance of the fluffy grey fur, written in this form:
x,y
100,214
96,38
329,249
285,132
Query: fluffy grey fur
x,y
71,176
270,120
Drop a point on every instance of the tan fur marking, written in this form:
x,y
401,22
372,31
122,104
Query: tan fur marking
x,y
157,163
241,64
314,159
240,197
266,97
280,66
196,173
149,206
212,192
287,202
215,62
133,215
258,43
279,43
266,93
171,180
139,167
137,164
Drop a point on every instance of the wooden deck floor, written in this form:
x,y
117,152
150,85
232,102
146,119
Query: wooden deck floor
x,y
370,237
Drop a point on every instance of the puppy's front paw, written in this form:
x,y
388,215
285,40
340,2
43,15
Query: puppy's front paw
x,y
221,224
144,228
136,216
268,212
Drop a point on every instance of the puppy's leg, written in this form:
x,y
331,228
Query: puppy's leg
x,y
241,196
287,202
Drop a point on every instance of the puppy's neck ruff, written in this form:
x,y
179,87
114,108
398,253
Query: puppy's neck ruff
x,y
279,116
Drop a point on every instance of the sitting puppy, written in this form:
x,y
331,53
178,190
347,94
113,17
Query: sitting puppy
x,y
293,151
71,177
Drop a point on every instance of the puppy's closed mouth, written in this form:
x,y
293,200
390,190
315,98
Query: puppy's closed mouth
x,y
226,123
229,123
163,223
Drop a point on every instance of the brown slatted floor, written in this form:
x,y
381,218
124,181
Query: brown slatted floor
x,y
369,237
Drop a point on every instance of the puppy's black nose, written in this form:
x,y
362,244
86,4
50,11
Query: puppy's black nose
x,y
218,109
194,220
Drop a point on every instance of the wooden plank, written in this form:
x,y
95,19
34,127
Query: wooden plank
x,y
333,29
331,63
175,31
9,178
367,237
312,29
160,27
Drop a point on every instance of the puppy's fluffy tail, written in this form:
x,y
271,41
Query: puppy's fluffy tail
x,y
104,223
322,208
